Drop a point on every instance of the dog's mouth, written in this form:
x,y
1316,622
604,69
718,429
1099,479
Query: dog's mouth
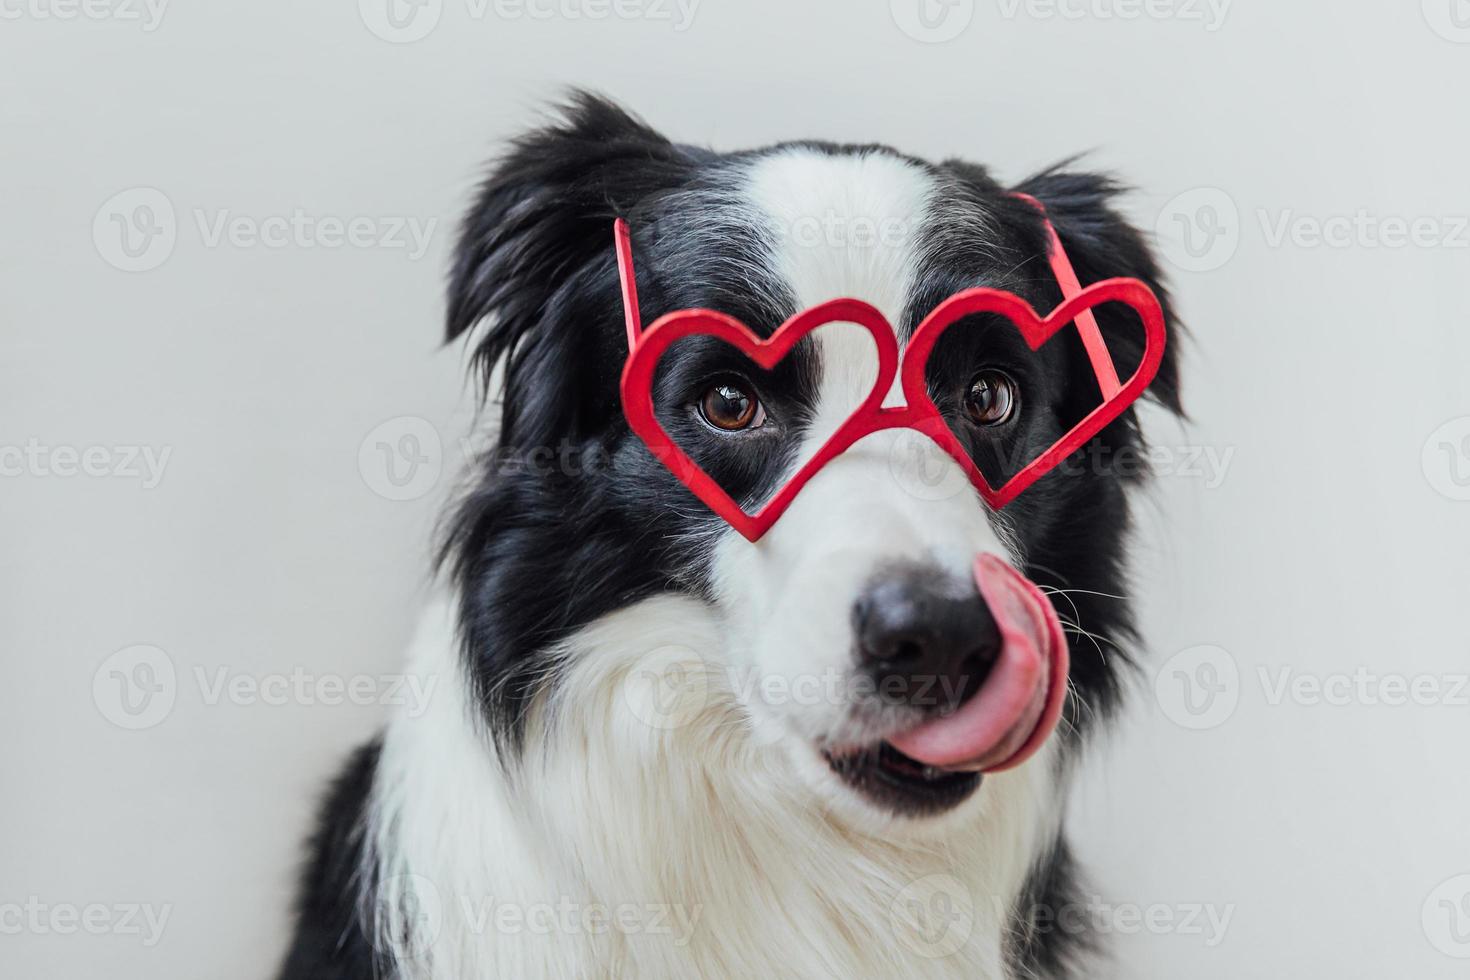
x,y
898,783
936,765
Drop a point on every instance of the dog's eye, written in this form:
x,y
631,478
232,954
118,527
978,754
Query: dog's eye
x,y
730,405
991,398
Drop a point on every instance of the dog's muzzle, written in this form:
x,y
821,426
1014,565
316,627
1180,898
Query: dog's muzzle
x,y
1008,635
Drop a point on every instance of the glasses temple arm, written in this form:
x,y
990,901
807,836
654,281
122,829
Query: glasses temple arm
x,y
1092,338
623,244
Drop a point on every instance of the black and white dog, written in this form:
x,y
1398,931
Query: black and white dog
x,y
645,756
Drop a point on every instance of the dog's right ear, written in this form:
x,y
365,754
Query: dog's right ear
x,y
529,252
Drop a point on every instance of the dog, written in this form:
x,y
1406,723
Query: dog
x,y
648,755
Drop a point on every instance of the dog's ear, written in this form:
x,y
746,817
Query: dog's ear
x,y
1101,244
533,255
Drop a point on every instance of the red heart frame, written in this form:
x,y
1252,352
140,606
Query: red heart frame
x,y
646,347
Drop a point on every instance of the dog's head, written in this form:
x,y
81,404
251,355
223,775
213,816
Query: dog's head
x,y
857,617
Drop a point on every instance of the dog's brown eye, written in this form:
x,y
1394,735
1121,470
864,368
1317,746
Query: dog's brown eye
x,y
731,405
991,398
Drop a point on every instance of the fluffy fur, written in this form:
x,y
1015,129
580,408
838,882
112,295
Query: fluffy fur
x,y
605,783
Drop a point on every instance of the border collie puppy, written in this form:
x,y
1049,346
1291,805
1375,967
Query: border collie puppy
x,y
651,751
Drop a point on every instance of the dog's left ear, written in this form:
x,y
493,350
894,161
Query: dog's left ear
x,y
1101,244
534,266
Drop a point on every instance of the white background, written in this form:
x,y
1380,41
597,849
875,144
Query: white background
x,y
1329,832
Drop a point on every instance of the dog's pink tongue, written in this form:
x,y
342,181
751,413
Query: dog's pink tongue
x,y
1012,715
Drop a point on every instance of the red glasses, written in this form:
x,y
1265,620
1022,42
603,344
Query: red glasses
x,y
646,347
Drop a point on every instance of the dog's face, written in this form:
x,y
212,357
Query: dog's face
x,y
857,616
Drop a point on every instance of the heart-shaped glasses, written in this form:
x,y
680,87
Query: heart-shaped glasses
x,y
646,347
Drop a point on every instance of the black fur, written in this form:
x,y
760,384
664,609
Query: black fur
x,y
570,517
331,942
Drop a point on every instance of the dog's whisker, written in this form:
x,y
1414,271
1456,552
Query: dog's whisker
x,y
1049,590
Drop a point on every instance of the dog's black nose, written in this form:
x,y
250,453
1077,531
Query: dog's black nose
x,y
925,639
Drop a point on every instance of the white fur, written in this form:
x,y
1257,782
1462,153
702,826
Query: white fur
x,y
663,780
894,496
725,860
